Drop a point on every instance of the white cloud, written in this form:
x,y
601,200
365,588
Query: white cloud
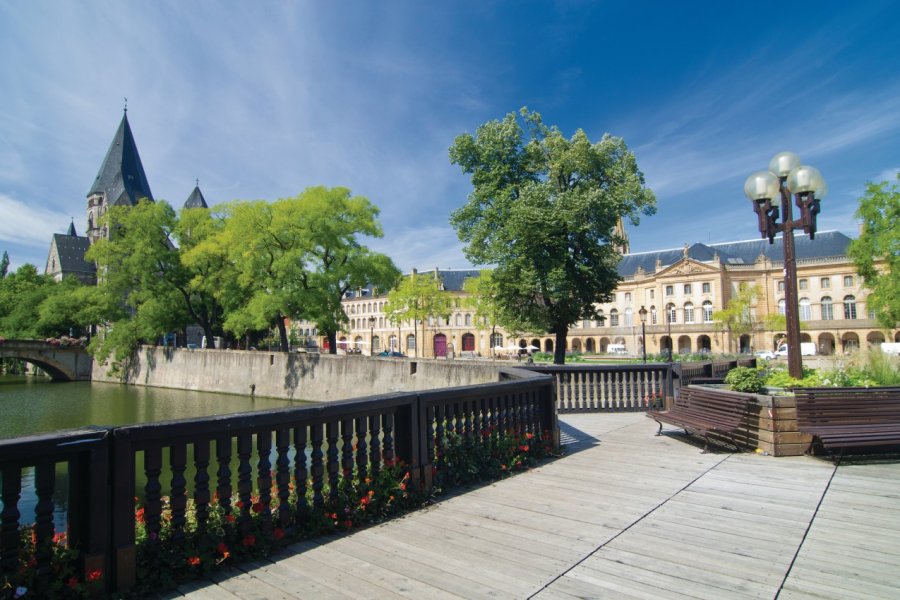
x,y
27,225
423,248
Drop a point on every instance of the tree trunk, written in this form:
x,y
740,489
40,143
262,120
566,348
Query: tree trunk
x,y
282,333
559,348
332,341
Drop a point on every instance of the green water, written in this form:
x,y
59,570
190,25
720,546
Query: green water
x,y
35,404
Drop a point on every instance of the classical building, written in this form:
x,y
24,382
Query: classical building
x,y
680,289
121,181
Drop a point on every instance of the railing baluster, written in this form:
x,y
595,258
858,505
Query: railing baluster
x,y
317,467
152,492
245,480
223,473
301,474
283,475
201,483
375,444
347,449
387,424
331,437
362,457
178,497
9,519
44,482
264,478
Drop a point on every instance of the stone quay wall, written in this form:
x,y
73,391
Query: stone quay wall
x,y
294,376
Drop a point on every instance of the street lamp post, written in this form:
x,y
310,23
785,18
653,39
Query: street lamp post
x,y
371,336
643,314
787,176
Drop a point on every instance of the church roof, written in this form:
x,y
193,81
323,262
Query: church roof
x,y
70,250
121,176
196,199
827,244
71,231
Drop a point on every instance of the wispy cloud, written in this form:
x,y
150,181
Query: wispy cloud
x,y
29,225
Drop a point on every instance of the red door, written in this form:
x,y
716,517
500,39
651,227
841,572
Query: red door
x,y
440,345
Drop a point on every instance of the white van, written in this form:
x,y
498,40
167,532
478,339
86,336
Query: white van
x,y
806,349
616,349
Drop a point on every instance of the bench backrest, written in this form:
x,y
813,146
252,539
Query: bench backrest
x,y
847,406
716,403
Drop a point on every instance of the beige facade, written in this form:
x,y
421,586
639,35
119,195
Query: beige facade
x,y
680,289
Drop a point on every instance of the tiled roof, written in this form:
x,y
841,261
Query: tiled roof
x,y
452,279
121,176
71,249
196,199
826,244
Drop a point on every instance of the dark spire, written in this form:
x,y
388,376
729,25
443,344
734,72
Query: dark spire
x,y
121,176
71,230
196,199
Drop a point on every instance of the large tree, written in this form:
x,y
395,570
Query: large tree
x,y
417,297
543,210
481,297
738,317
21,293
876,252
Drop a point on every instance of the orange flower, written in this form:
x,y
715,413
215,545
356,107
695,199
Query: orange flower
x,y
193,561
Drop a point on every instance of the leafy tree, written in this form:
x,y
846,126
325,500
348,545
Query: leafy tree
x,y
737,318
876,252
4,264
417,297
72,307
337,262
21,293
480,296
544,210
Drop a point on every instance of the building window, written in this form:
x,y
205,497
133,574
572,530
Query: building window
x,y
496,340
848,280
825,283
653,317
803,284
707,312
670,290
707,287
410,342
805,310
687,289
468,320
601,320
376,344
780,286
613,318
849,307
629,318
650,293
827,309
671,314
781,307
689,312
627,296
458,319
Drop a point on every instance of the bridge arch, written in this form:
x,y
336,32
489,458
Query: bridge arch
x,y
61,364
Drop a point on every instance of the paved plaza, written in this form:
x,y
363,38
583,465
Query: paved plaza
x,y
623,515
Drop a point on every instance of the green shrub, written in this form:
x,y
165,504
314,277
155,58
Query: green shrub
x,y
744,379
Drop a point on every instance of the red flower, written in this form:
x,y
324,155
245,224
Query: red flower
x,y
139,515
364,501
72,582
257,507
278,533
239,504
529,436
249,541
193,561
403,487
222,548
95,575
59,538
230,518
348,523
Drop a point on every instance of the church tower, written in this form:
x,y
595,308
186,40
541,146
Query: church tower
x,y
619,232
120,182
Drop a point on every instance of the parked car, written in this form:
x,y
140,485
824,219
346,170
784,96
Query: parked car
x,y
764,354
392,354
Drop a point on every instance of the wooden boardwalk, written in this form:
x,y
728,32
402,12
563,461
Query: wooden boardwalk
x,y
623,515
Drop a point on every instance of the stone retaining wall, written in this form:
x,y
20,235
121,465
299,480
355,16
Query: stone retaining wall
x,y
316,377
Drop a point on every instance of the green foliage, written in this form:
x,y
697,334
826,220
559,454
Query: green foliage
x,y
544,210
744,379
417,297
21,294
463,460
64,579
4,264
876,252
738,315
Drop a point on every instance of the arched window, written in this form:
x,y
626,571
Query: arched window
x,y
827,308
653,315
671,313
614,318
601,320
781,307
688,312
805,310
410,342
707,312
468,320
849,307
458,319
629,317
781,286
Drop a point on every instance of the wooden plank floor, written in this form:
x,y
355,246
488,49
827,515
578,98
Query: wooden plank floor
x,y
623,515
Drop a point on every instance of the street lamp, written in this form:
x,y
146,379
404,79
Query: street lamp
x,y
643,314
787,176
371,336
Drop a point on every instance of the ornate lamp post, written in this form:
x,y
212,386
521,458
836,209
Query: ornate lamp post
x,y
643,314
787,176
371,336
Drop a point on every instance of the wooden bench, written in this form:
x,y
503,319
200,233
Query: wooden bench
x,y
842,418
702,411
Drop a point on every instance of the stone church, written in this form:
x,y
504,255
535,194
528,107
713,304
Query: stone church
x,y
121,181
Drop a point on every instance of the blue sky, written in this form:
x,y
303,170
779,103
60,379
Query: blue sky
x,y
259,100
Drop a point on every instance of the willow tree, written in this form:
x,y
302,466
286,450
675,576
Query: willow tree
x,y
544,210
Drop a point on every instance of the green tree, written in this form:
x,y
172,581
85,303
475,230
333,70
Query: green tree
x,y
876,252
337,261
480,297
544,210
21,293
738,316
4,264
72,307
417,297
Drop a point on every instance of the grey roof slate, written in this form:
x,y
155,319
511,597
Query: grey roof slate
x,y
826,244
121,176
196,199
71,230
71,249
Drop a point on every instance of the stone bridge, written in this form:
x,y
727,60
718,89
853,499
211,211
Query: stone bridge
x,y
71,363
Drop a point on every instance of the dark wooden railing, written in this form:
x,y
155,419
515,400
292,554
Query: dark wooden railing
x,y
245,454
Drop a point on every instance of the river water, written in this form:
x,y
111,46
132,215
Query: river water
x,y
30,405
